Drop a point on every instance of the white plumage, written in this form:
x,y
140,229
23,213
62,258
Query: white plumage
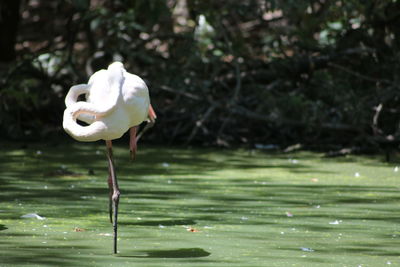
x,y
116,100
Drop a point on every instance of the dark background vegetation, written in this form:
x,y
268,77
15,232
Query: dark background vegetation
x,y
315,72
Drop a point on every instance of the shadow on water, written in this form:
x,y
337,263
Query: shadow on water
x,y
173,253
44,256
160,222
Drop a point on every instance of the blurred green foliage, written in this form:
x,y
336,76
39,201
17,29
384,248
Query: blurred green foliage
x,y
219,72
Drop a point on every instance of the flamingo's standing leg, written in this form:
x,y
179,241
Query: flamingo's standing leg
x,y
110,187
110,182
114,192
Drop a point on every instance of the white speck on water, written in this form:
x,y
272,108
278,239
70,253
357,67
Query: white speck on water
x,y
72,186
335,222
165,164
33,215
307,249
105,234
388,262
161,226
44,242
396,169
317,207
98,152
289,214
45,187
282,233
45,226
293,161
244,218
357,174
88,197
169,181
39,152
207,227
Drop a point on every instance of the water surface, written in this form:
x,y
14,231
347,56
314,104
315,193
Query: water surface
x,y
197,207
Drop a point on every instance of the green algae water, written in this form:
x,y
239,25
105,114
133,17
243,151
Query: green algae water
x,y
197,207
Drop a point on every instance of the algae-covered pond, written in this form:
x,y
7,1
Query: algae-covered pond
x,y
197,207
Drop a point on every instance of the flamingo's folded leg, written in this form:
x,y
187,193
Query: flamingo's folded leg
x,y
133,141
151,121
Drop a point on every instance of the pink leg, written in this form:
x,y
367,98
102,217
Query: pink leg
x,y
110,183
152,114
114,191
151,120
133,141
110,187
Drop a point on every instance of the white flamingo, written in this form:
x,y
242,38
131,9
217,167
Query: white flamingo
x,y
116,101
